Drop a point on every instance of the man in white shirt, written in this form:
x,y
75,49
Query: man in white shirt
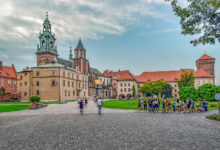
x,y
99,104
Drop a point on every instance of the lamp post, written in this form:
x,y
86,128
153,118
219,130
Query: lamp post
x,y
217,97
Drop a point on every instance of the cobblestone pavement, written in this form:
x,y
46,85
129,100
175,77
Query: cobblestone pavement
x,y
60,130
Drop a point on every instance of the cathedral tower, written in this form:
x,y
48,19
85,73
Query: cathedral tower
x,y
206,63
46,50
80,60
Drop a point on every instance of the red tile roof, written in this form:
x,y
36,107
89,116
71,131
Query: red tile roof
x,y
120,75
8,72
205,56
201,73
159,75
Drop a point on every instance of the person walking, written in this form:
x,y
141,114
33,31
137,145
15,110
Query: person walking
x,y
86,102
99,104
81,106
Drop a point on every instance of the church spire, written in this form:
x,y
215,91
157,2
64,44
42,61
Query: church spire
x,y
80,45
70,55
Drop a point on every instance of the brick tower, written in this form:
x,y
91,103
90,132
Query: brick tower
x,y
207,63
46,50
80,60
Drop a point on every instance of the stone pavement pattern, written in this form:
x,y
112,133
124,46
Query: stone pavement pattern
x,y
113,130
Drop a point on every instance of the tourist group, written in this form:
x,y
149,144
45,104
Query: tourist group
x,y
189,105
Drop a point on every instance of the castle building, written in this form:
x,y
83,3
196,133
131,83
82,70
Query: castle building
x,y
8,78
205,74
53,78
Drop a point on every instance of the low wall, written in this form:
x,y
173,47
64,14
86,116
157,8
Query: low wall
x,y
6,98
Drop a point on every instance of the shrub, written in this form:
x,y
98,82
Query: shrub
x,y
188,91
208,91
214,117
35,99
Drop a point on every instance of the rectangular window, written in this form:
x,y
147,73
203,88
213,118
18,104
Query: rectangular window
x,y
64,74
129,84
12,88
68,93
53,73
37,83
65,92
72,84
25,83
63,82
9,81
20,84
37,73
53,82
37,92
25,93
121,85
20,77
73,93
129,90
68,83
121,90
125,84
125,90
14,81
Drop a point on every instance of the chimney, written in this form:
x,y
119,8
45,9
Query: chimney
x,y
27,68
0,64
13,66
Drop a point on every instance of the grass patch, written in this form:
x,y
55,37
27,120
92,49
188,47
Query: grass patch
x,y
215,117
132,104
10,108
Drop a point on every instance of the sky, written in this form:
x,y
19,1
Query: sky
x,y
138,35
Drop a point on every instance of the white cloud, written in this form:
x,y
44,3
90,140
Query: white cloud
x,y
26,57
71,19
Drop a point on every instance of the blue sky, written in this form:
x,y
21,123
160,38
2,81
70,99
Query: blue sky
x,y
141,35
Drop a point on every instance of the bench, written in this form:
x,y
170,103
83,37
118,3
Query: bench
x,y
37,106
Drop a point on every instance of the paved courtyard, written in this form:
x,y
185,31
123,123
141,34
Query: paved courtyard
x,y
60,127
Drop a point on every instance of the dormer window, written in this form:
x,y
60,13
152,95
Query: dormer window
x,y
51,43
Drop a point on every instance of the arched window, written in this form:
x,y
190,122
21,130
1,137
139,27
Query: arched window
x,y
43,42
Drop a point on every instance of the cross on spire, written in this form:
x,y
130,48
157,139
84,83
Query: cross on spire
x,y
47,14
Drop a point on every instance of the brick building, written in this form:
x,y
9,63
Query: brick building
x,y
8,78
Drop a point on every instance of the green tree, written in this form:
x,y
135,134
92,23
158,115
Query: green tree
x,y
167,92
154,88
133,91
188,91
186,79
158,87
146,88
207,91
200,17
